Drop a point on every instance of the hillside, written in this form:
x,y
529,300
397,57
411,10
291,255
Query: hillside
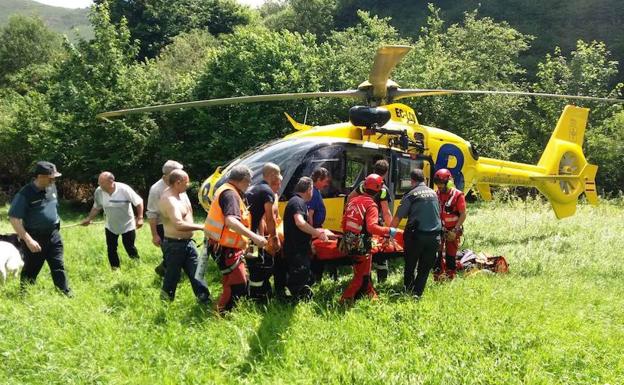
x,y
61,20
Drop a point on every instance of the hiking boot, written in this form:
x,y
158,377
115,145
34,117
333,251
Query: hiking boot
x,y
204,298
382,275
166,296
160,269
450,274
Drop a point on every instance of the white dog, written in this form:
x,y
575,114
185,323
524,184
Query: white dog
x,y
10,260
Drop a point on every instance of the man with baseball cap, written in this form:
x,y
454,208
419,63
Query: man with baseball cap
x,y
34,217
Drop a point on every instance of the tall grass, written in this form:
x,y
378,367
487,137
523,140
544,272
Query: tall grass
x,y
557,318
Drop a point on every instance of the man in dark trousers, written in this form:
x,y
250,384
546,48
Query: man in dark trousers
x,y
422,233
117,199
34,217
297,236
261,199
153,211
178,247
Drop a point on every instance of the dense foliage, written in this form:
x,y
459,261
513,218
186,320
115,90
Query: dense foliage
x,y
155,23
48,100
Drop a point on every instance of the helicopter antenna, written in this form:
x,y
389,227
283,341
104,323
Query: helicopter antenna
x,y
305,118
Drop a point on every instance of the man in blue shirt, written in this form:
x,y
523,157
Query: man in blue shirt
x,y
34,217
316,218
316,207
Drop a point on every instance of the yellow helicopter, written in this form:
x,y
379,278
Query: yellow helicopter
x,y
386,129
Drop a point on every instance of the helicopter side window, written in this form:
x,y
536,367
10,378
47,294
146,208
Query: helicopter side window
x,y
405,165
355,172
332,158
360,163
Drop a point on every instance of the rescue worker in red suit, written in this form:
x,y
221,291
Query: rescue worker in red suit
x,y
453,215
227,228
359,223
384,202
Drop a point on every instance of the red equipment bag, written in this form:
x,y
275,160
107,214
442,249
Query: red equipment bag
x,y
327,250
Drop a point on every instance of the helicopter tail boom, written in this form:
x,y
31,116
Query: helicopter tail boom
x,y
562,173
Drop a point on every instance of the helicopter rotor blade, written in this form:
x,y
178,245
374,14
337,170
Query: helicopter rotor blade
x,y
235,100
402,93
386,59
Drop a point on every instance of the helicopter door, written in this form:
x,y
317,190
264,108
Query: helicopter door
x,y
357,162
403,164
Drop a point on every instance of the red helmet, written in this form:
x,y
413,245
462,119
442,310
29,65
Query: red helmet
x,y
442,176
373,182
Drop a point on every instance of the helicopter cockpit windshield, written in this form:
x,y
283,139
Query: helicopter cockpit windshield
x,y
287,154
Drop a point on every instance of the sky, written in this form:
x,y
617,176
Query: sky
x,y
86,3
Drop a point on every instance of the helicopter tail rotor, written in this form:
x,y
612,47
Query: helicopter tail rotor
x,y
562,173
567,173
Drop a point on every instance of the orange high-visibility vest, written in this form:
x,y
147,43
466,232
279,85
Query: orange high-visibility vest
x,y
215,222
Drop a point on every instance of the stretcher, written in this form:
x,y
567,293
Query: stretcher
x,y
383,248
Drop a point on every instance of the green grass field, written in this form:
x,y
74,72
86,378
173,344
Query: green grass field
x,y
557,318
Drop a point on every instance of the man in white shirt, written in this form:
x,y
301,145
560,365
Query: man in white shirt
x,y
117,199
153,210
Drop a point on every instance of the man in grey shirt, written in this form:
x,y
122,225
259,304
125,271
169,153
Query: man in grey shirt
x,y
422,233
153,210
117,199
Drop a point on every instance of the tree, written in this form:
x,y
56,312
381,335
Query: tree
x,y
312,16
155,23
99,75
24,42
251,61
588,71
478,53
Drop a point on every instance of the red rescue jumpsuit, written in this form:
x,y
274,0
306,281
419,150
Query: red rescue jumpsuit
x,y
362,218
452,204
